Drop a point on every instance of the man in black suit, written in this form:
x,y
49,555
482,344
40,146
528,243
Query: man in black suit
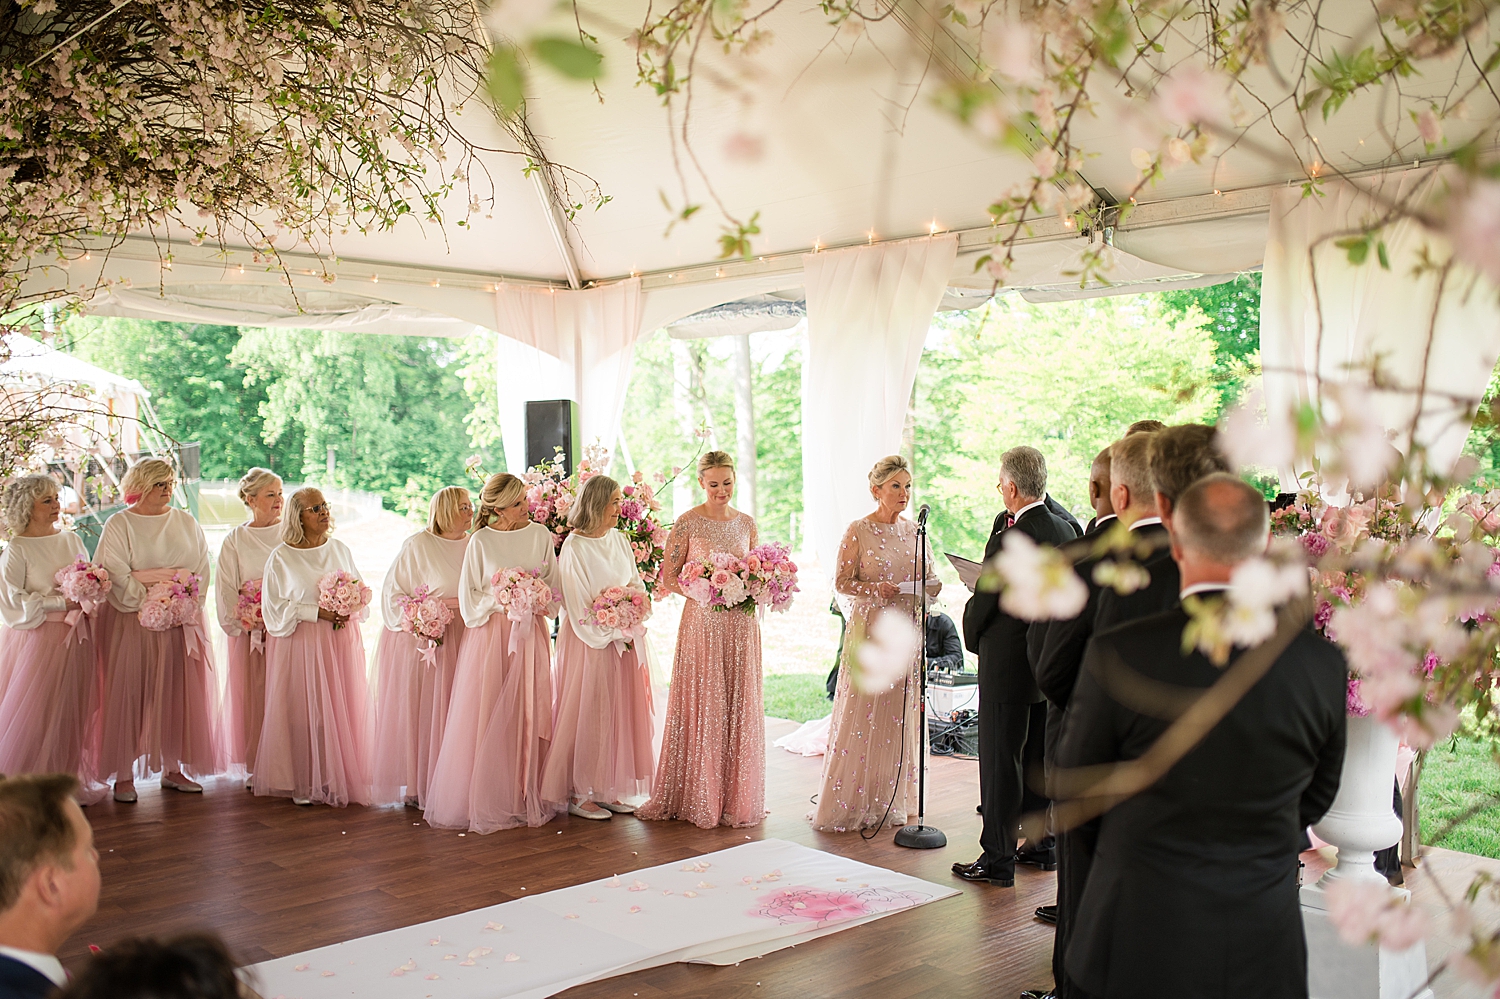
x,y
1193,889
1104,510
49,880
1057,664
1179,456
1012,715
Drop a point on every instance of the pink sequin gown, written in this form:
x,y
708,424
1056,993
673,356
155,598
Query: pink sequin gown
x,y
712,769
869,772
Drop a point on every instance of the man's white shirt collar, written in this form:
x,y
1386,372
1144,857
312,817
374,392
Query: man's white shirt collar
x,y
1144,522
1204,588
1029,506
45,964
1107,516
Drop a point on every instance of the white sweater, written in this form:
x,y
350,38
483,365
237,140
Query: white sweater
x,y
427,559
289,589
171,540
242,558
526,548
29,591
588,566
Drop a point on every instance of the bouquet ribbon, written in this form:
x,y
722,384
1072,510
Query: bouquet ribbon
x,y
428,652
76,620
258,640
195,640
523,644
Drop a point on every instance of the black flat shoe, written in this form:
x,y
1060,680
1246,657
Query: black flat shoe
x,y
1044,859
980,874
1047,914
1039,994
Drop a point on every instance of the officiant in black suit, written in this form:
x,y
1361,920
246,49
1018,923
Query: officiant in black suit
x,y
1012,714
1193,889
49,880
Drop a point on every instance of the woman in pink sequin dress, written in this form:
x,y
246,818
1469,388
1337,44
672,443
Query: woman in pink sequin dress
x,y
712,769
869,771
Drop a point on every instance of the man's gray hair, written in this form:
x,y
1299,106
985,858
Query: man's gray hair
x,y
1026,469
1222,517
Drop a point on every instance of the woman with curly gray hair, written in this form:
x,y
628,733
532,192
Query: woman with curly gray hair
x,y
49,693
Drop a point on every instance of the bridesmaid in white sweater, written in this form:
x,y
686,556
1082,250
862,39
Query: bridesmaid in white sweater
x,y
601,725
161,703
242,560
412,687
49,680
499,729
315,740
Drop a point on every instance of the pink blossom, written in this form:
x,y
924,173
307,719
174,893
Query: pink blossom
x,y
743,147
1429,127
1012,48
1364,911
1192,94
887,652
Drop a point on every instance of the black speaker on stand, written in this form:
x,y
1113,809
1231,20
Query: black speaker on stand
x,y
552,424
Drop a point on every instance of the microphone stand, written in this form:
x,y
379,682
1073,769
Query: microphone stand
x,y
921,836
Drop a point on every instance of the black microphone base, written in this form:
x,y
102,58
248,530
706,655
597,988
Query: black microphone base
x,y
920,838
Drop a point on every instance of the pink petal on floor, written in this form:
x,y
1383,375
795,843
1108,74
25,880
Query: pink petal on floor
x,y
513,957
494,927
481,952
450,957
397,973
704,884
667,892
434,977
571,915
799,905
614,882
635,908
466,964
302,967
593,900
689,894
638,885
410,965
326,974
434,941
841,879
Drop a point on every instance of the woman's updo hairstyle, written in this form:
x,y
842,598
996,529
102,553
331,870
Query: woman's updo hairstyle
x,y
713,460
142,476
254,481
20,496
886,468
588,509
500,491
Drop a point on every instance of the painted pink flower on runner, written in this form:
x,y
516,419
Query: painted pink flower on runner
x,y
822,906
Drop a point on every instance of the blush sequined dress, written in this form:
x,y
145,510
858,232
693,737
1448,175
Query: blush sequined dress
x,y
712,769
869,771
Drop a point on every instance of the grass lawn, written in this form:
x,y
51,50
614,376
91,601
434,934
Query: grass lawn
x,y
1456,776
798,696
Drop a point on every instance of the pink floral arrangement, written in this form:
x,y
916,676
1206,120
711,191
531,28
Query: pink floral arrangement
x,y
623,609
424,615
640,523
171,603
84,582
342,593
765,578
248,610
522,593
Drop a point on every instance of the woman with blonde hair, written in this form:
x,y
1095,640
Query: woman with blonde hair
x,y
413,680
488,773
242,563
601,726
49,650
315,740
161,704
869,770
713,754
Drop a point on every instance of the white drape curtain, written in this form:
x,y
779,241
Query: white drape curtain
x,y
565,345
868,310
1324,319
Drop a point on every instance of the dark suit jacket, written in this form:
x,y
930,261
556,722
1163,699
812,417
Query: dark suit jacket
x,y
1061,513
945,650
1193,889
999,639
1157,596
22,981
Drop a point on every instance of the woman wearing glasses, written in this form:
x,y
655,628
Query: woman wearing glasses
x,y
315,740
161,705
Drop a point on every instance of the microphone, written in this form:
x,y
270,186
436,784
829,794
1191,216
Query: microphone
x,y
922,513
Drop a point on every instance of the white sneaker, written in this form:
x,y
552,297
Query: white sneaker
x,y
302,801
575,808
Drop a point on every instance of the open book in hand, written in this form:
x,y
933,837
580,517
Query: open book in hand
x,y
968,570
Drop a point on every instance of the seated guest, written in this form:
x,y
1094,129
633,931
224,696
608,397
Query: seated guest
x,y
196,966
49,880
1206,857
945,650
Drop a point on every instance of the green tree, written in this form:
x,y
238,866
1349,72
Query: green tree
x,y
392,408
1066,378
477,369
1231,313
197,389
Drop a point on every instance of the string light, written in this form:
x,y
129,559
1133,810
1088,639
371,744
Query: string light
x,y
436,283
374,278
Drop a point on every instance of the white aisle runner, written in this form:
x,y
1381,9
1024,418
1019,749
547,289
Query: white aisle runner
x,y
719,908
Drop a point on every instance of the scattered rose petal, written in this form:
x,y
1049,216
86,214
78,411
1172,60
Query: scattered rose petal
x,y
326,974
398,973
635,908
513,957
494,927
434,941
571,915
747,879
301,967
799,905
434,977
467,963
638,885
614,882
667,892
410,965
704,884
481,952
450,957
689,894
593,900
841,879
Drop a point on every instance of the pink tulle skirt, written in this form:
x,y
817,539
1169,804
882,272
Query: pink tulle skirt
x,y
488,773
161,705
315,740
411,707
601,725
49,704
245,699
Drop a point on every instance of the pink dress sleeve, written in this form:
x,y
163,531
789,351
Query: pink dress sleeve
x,y
846,577
676,552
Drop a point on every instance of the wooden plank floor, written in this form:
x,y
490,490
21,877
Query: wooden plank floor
x,y
274,879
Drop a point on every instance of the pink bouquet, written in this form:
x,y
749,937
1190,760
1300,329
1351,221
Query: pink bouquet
x,y
85,583
764,578
639,522
424,615
248,609
522,594
341,593
622,609
171,603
